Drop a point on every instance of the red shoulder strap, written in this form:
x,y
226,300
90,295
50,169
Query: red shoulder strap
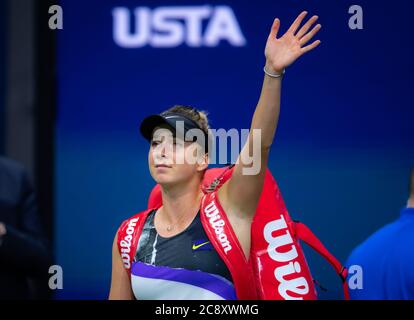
x,y
222,236
306,235
128,235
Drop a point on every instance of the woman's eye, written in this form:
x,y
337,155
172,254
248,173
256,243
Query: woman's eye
x,y
154,143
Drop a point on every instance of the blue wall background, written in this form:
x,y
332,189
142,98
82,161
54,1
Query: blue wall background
x,y
342,151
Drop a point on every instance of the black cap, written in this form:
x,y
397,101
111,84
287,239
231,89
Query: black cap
x,y
170,119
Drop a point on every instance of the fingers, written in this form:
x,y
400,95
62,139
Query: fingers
x,y
275,28
313,45
307,37
295,25
306,26
303,35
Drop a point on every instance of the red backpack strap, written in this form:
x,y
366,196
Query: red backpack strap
x,y
306,235
214,178
224,240
128,235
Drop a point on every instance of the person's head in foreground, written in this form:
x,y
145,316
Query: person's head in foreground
x,y
178,145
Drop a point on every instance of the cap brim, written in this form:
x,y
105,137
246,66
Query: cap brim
x,y
150,123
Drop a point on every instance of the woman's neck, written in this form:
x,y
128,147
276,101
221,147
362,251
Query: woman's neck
x,y
180,203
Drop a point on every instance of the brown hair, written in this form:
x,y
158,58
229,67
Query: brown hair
x,y
199,117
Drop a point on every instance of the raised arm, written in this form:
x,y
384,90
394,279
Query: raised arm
x,y
239,196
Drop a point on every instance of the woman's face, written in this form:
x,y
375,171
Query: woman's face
x,y
173,160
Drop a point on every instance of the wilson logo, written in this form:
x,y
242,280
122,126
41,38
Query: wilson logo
x,y
212,213
167,27
125,243
295,283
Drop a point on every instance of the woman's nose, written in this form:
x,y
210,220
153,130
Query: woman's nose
x,y
163,152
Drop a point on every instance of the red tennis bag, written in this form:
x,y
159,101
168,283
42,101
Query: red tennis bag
x,y
276,267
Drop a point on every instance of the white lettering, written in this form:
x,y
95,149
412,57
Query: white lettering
x,y
298,285
223,26
218,224
125,243
355,280
171,26
56,280
356,20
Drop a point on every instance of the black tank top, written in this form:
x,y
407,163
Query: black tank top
x,y
184,266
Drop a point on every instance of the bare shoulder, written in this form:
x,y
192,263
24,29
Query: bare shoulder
x,y
120,280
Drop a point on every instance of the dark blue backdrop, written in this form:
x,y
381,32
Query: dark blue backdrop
x,y
342,150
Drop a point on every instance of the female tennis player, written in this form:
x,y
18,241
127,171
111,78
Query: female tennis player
x,y
174,257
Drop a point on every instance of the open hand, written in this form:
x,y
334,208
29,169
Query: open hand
x,y
282,52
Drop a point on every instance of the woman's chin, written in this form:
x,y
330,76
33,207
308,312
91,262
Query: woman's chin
x,y
167,178
163,180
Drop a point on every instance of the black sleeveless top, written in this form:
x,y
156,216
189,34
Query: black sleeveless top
x,y
184,266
